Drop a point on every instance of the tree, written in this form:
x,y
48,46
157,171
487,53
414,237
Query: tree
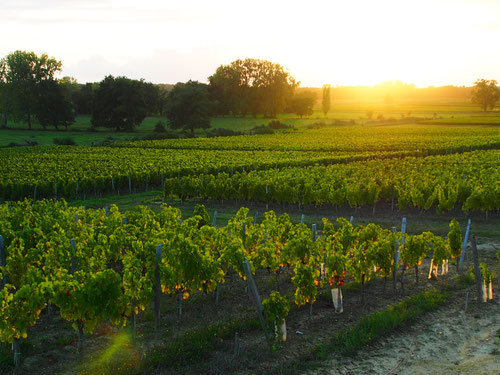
x,y
251,86
302,103
326,102
83,98
228,88
485,93
188,106
23,72
119,103
274,87
71,89
53,106
164,90
152,98
4,92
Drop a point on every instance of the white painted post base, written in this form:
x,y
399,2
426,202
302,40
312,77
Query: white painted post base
x,y
433,271
337,299
281,335
485,292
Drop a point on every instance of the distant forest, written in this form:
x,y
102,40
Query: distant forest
x,y
394,89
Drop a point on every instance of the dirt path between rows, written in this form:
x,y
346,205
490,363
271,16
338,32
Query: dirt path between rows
x,y
448,341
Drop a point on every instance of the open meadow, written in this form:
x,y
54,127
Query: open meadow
x,y
450,112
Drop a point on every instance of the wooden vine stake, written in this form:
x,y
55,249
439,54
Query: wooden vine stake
x,y
157,289
16,348
314,236
395,267
179,305
244,239
403,233
3,257
499,276
477,271
256,296
464,245
73,257
267,198
79,345
217,288
403,240
237,347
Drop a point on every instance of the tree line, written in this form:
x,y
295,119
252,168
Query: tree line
x,y
29,91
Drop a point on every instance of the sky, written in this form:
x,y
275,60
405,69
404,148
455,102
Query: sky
x,y
348,42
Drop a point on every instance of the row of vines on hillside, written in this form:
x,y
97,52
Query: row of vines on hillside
x,y
77,172
471,179
71,172
422,140
98,265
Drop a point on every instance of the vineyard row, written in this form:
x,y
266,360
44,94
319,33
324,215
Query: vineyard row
x,y
98,265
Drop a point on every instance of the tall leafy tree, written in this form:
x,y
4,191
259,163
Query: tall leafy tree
x,y
153,98
119,103
302,103
189,106
4,93
23,72
485,93
71,89
251,86
53,106
83,98
275,86
326,101
228,89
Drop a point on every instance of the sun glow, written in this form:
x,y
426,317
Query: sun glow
x,y
118,357
359,42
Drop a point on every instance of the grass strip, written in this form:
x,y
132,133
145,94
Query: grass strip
x,y
368,329
194,346
379,323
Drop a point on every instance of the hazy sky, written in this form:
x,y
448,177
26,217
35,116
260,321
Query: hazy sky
x,y
348,42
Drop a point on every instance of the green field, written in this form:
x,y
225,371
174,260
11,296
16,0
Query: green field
x,y
427,112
